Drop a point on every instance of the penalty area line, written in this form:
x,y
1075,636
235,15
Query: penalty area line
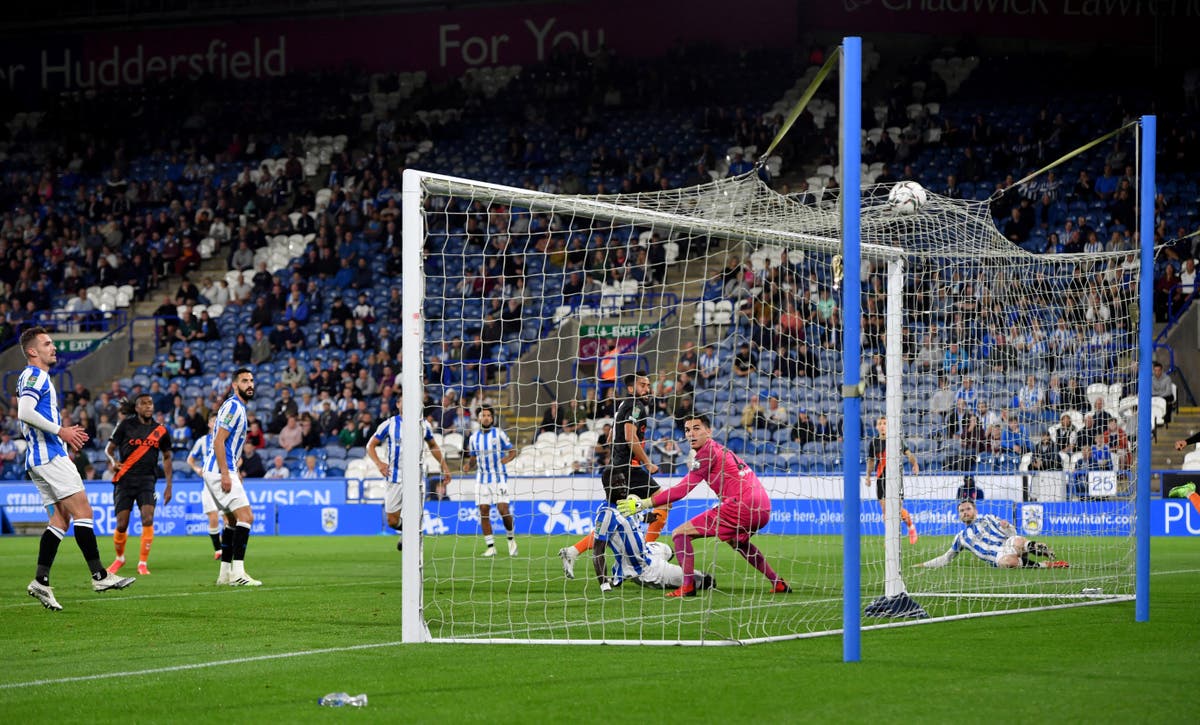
x,y
196,665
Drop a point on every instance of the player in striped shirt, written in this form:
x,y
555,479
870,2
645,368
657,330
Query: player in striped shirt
x,y
488,450
222,480
195,460
48,459
635,559
389,430
996,541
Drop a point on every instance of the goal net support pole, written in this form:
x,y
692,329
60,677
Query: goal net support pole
x,y
849,123
1149,130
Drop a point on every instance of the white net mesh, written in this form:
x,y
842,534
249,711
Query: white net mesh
x,y
728,296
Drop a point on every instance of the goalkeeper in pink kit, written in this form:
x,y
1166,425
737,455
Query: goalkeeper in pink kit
x,y
744,508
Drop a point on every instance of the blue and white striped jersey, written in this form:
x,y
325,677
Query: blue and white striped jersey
x,y
631,555
231,417
489,447
201,448
983,538
389,430
42,447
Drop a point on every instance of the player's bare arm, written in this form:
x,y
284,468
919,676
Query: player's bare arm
x,y
635,447
168,474
372,445
219,439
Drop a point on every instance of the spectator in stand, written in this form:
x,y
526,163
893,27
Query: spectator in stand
x,y
551,420
826,431
602,451
291,436
189,364
709,367
688,361
313,468
966,392
1161,386
278,469
252,465
209,331
1117,443
1168,295
1187,278
310,435
1015,438
1028,400
745,361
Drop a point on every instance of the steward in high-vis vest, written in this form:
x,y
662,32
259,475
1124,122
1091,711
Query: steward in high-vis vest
x,y
139,439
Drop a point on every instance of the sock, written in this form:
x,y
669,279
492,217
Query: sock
x,y
119,538
585,543
751,554
241,537
47,550
906,518
687,557
85,539
511,537
227,545
215,534
658,519
1195,499
490,541
147,540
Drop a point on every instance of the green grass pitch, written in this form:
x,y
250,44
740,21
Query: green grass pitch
x,y
176,648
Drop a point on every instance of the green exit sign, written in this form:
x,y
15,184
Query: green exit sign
x,y
75,346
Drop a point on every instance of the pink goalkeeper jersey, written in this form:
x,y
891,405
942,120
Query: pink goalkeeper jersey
x,y
726,473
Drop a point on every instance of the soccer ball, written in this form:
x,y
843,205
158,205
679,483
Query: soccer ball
x,y
907,197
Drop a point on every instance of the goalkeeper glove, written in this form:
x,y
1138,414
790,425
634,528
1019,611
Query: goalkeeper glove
x,y
632,505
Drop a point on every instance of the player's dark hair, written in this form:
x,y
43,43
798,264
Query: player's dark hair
x,y
29,336
240,371
629,379
615,486
128,406
703,418
489,409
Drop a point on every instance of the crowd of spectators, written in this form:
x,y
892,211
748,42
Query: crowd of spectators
x,y
137,205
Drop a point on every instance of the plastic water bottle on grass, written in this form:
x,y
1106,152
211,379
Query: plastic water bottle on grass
x,y
339,699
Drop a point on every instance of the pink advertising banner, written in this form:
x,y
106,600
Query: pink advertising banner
x,y
442,43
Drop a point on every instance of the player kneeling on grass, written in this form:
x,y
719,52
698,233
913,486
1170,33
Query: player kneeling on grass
x,y
744,509
647,563
996,541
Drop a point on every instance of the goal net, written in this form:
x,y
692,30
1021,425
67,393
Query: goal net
x,y
728,296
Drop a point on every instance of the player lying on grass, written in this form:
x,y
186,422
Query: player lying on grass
x,y
744,509
996,541
635,559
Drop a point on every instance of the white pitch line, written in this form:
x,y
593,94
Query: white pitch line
x,y
196,666
216,590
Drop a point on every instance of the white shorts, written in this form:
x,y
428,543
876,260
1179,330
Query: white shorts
x,y
661,574
229,502
56,479
393,497
206,500
490,494
1008,548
